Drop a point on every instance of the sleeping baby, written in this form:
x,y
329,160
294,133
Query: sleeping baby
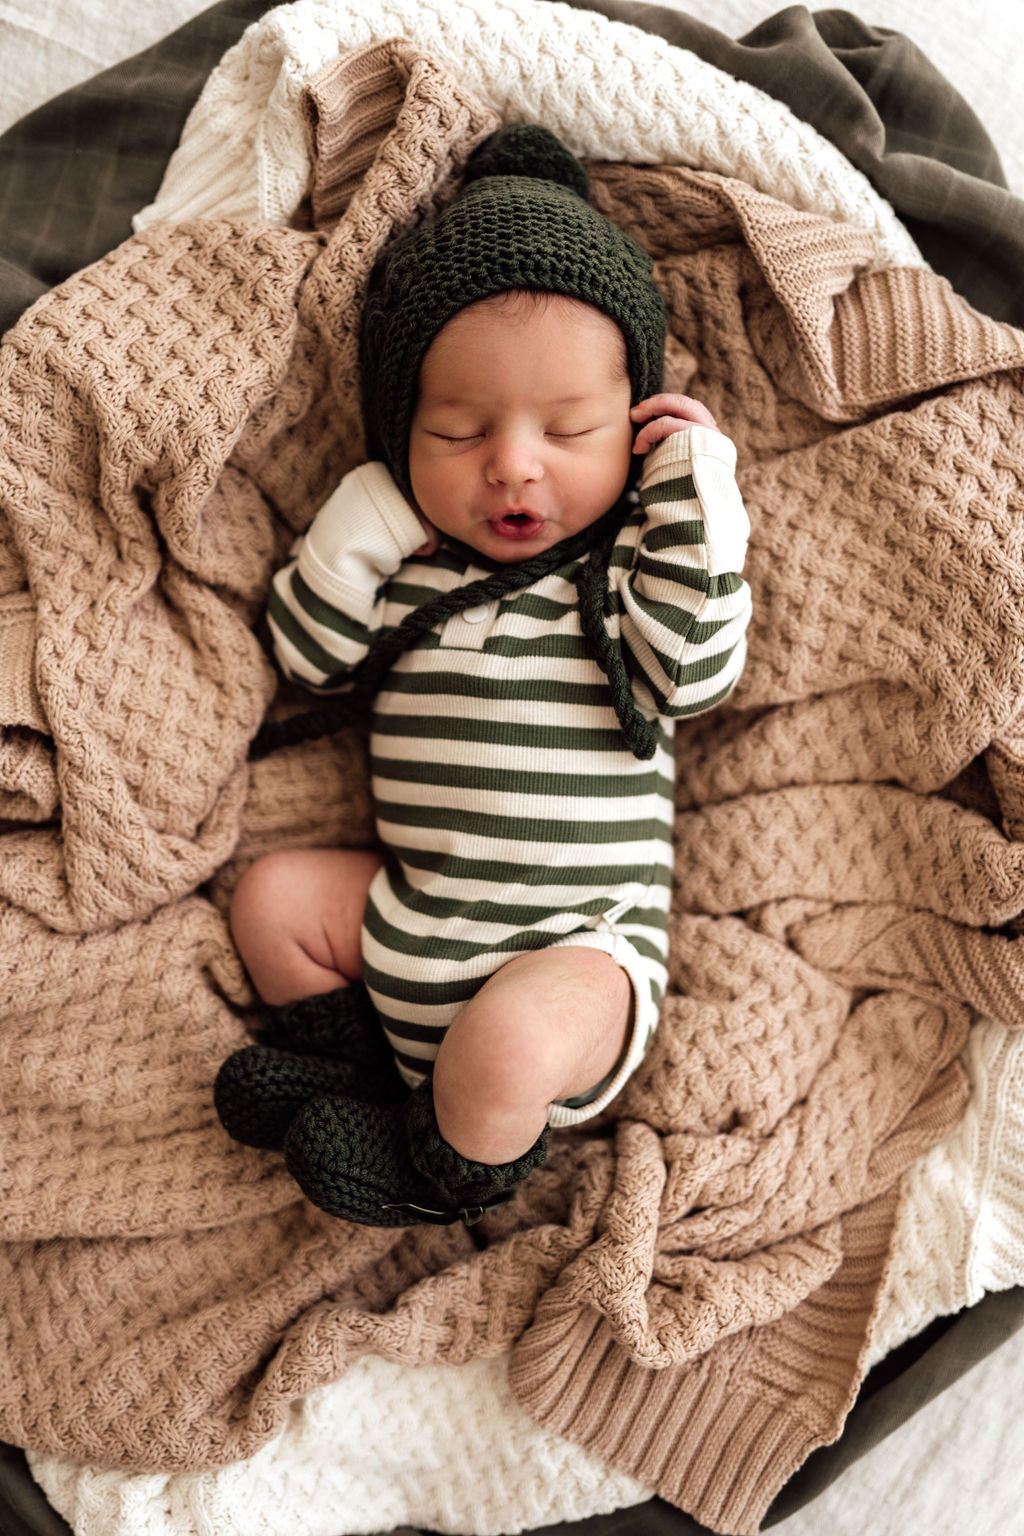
x,y
535,575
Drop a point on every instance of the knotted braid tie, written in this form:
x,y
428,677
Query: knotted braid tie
x,y
591,585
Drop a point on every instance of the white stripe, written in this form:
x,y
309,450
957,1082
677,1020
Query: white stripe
x,y
470,928
554,895
540,854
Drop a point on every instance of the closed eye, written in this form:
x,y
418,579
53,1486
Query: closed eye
x,y
472,437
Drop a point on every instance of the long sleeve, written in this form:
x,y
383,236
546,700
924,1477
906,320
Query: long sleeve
x,y
326,604
684,605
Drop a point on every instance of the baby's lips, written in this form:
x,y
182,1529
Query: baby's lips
x,y
517,523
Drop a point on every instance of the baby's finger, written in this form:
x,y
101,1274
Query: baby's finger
x,y
657,431
682,406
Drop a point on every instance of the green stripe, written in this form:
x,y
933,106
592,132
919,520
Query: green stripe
x,y
647,947
678,711
693,577
445,908
686,674
426,1034
428,994
503,733
532,605
689,532
680,488
686,625
437,948
506,781
308,648
534,690
409,595
562,647
325,614
529,829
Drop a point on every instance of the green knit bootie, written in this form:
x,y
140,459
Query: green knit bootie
x,y
332,1041
387,1165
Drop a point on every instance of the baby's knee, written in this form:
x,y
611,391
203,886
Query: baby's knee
x,y
542,1016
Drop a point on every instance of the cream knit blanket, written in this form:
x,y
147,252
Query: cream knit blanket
x,y
170,416
610,91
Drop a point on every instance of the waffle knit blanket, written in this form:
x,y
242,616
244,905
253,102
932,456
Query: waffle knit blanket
x,y
687,1287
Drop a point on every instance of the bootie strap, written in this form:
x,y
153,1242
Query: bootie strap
x,y
406,1213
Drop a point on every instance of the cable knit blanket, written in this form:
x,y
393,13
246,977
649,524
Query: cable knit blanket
x,y
686,1289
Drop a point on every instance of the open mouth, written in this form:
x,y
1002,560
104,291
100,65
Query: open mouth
x,y
517,525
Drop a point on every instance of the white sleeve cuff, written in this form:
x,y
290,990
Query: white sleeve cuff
x,y
360,536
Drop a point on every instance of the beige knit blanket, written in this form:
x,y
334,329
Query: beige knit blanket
x,y
687,1286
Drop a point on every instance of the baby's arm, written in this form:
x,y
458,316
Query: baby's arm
x,y
326,604
685,606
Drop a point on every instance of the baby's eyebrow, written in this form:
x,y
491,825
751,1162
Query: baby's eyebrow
x,y
473,400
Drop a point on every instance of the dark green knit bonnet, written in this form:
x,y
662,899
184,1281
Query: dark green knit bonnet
x,y
521,221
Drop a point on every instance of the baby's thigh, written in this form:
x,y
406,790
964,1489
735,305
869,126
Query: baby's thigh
x,y
303,902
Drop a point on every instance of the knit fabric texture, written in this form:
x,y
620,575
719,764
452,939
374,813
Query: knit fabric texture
x,y
607,90
520,221
688,1291
389,1165
331,1042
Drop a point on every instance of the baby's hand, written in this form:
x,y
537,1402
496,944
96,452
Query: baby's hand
x,y
665,414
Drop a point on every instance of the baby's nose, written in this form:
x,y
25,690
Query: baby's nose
x,y
514,460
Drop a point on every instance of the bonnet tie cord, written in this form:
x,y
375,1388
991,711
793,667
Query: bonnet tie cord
x,y
369,674
591,586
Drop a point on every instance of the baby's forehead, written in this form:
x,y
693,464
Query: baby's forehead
x,y
514,319
513,306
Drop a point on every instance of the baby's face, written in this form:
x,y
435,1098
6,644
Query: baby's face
x,y
521,434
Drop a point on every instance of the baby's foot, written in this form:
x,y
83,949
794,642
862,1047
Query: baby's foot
x,y
331,1041
389,1165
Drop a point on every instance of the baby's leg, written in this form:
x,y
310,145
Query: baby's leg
x,y
547,1026
296,918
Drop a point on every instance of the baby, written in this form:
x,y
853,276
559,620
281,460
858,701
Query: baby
x,y
542,627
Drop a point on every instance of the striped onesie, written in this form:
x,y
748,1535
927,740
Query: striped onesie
x,y
513,813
